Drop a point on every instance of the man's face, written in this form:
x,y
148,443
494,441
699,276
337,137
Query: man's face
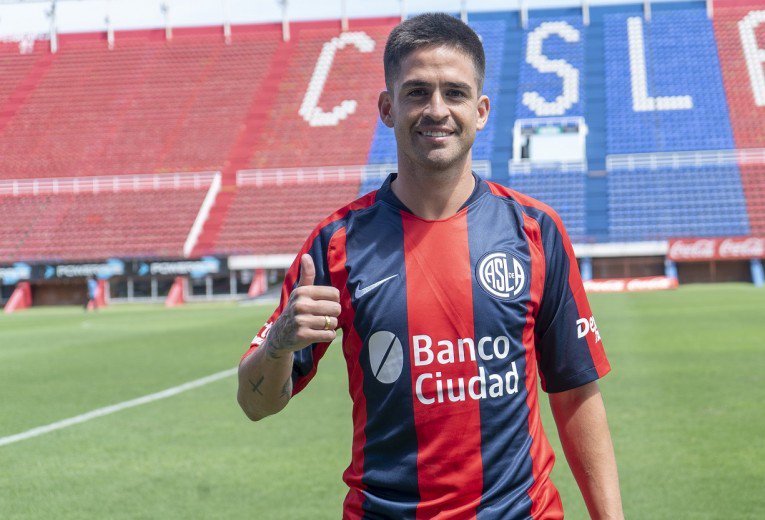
x,y
435,108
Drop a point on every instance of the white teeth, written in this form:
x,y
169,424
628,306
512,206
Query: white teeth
x,y
435,134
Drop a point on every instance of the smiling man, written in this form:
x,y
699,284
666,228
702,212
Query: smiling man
x,y
457,297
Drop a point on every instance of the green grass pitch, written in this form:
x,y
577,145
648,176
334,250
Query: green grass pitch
x,y
685,404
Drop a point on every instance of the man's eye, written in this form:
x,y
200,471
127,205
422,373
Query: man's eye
x,y
456,93
417,92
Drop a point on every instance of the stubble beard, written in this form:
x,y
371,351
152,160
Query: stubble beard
x,y
437,161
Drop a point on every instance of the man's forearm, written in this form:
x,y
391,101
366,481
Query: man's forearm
x,y
265,381
583,429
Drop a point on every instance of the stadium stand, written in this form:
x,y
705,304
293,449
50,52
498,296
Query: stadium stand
x,y
678,84
76,221
665,202
548,43
753,181
323,105
664,88
273,212
563,190
145,107
740,34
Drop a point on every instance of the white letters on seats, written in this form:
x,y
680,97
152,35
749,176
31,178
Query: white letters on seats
x,y
570,75
754,55
641,101
310,109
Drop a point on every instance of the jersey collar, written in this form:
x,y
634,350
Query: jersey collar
x,y
385,193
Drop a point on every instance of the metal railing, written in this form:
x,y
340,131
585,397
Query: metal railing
x,y
527,167
107,184
330,174
683,159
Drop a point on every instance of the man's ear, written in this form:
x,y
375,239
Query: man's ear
x,y
484,107
384,105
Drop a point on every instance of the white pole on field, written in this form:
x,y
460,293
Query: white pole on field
x,y
710,9
647,10
524,15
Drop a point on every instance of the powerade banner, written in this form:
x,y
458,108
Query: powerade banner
x,y
193,268
101,270
196,268
15,273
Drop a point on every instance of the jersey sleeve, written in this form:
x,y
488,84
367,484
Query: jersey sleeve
x,y
569,347
307,359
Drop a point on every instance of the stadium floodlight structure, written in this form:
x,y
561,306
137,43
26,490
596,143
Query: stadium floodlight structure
x,y
463,11
710,9
109,27
53,34
585,13
402,3
343,15
164,7
227,21
647,10
524,9
285,21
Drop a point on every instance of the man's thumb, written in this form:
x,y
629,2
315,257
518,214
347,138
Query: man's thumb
x,y
307,271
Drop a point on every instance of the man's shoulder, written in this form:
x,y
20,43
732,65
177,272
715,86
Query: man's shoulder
x,y
340,214
527,204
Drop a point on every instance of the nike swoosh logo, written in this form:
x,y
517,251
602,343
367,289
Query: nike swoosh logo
x,y
361,292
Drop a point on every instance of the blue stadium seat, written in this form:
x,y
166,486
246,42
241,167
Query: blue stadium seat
x,y
673,98
653,204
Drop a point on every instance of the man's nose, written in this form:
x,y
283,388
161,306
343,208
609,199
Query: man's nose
x,y
437,110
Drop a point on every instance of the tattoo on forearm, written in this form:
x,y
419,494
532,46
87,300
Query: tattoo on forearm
x,y
256,386
282,328
287,388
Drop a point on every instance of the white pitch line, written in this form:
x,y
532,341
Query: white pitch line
x,y
100,412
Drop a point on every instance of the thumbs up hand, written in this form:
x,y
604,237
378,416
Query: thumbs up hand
x,y
310,315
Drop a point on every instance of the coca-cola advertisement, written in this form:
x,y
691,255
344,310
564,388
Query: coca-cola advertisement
x,y
648,283
704,249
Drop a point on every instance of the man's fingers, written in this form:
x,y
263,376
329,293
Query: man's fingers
x,y
309,336
319,292
320,323
307,271
309,307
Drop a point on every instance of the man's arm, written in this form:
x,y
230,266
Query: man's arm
x,y
265,376
583,429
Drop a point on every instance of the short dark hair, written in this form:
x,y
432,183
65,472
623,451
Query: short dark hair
x,y
432,30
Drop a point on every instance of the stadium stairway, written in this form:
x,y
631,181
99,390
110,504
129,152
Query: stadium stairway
x,y
753,181
11,103
594,87
504,113
211,228
243,148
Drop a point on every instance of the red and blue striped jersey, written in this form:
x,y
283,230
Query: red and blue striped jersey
x,y
446,326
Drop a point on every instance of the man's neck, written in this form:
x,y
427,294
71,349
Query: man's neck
x,y
434,195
